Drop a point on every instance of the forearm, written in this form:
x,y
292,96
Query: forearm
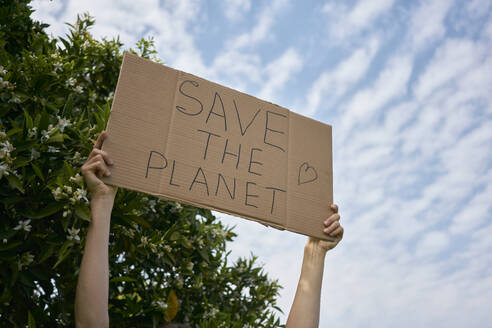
x,y
91,301
305,309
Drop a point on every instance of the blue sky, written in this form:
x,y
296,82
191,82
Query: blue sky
x,y
407,87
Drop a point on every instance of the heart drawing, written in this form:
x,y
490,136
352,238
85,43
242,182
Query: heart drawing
x,y
307,174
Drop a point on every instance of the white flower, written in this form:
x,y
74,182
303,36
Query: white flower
x,y
212,313
7,146
144,241
168,248
110,96
58,193
24,225
66,213
93,97
4,240
58,66
52,149
3,71
160,304
120,289
71,82
32,133
3,134
25,260
15,100
77,178
34,154
68,189
179,207
63,123
80,194
190,266
73,234
45,134
78,89
152,204
4,170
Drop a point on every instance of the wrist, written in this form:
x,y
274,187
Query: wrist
x,y
101,208
313,249
102,199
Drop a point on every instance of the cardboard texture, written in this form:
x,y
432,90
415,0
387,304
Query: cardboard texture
x,y
183,138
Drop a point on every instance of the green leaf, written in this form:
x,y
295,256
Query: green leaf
x,y
13,131
4,247
141,221
38,171
83,212
172,306
48,210
123,278
31,323
29,123
67,169
46,253
57,137
67,109
63,253
15,182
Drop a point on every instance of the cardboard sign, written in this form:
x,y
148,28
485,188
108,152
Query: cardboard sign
x,y
177,136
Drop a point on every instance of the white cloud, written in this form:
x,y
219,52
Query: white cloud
x,y
346,22
262,28
427,22
454,58
279,72
334,83
391,83
236,9
432,243
475,212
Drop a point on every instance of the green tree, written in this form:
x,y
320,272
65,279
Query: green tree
x,y
168,261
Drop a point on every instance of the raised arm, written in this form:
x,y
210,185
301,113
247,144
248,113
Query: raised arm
x,y
305,309
91,300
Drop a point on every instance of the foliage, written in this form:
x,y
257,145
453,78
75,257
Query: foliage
x,y
168,261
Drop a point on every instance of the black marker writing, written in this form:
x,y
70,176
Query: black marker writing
x,y
152,152
223,115
203,182
238,155
268,129
307,174
243,132
251,161
273,196
208,141
184,110
172,175
249,195
221,177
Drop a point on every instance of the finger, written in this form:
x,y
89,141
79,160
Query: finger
x,y
331,219
334,207
95,152
98,167
100,140
338,232
332,227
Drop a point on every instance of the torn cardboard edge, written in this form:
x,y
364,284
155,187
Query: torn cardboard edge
x,y
188,120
